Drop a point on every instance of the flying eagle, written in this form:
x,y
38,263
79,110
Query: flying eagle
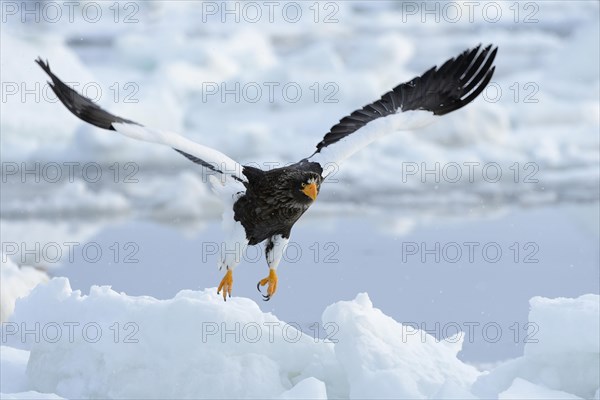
x,y
263,206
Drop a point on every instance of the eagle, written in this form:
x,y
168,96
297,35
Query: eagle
x,y
263,205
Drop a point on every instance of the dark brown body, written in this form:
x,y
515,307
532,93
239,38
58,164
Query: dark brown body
x,y
273,202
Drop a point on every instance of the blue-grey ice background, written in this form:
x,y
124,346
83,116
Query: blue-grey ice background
x,y
544,116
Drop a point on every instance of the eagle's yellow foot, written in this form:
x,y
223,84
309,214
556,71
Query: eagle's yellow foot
x,y
272,281
226,284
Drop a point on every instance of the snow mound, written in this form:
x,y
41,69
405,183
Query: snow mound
x,y
202,347
564,356
523,390
102,345
381,359
16,282
13,363
309,388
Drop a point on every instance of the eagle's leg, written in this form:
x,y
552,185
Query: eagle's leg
x,y
274,250
231,255
226,284
271,280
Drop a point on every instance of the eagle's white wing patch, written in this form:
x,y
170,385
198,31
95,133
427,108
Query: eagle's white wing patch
x,y
232,249
217,160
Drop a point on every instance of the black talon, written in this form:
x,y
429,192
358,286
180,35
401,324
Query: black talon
x,y
258,287
266,298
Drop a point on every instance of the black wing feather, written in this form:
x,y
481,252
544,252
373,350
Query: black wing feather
x,y
90,112
80,106
439,90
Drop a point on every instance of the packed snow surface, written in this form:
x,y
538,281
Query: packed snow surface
x,y
103,345
16,282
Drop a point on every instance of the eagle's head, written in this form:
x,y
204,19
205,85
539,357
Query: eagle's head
x,y
304,187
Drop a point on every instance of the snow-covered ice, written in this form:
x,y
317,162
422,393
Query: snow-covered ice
x,y
565,356
538,123
16,282
102,345
524,390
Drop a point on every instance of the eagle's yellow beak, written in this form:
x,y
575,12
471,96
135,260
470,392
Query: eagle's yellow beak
x,y
311,191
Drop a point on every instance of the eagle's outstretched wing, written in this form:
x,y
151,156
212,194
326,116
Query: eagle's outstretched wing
x,y
410,105
88,111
